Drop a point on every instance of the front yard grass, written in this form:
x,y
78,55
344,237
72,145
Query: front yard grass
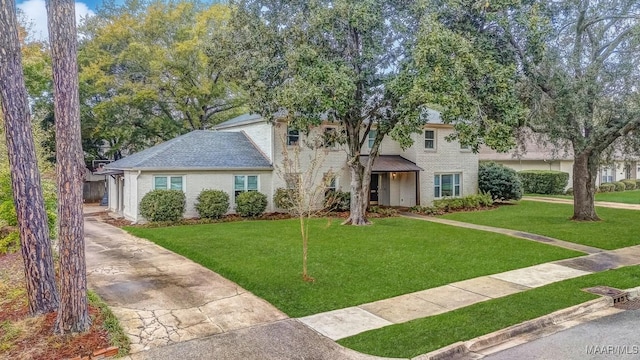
x,y
618,228
625,197
427,334
351,265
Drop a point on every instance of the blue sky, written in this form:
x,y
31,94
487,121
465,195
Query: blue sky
x,y
36,12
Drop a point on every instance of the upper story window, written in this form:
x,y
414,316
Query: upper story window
x,y
243,183
168,182
372,137
293,136
430,139
329,137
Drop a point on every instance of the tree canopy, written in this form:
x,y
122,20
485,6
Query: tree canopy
x,y
148,74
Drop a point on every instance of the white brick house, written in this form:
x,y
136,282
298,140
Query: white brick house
x,y
243,154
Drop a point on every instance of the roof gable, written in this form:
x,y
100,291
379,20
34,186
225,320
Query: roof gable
x,y
200,149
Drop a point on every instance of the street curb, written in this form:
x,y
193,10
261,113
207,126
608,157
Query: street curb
x,y
498,337
633,293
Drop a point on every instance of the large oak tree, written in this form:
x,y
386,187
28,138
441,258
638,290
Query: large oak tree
x,y
338,61
576,67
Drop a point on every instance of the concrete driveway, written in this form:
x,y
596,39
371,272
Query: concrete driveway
x,y
161,297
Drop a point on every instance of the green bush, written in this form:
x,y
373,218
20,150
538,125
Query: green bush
x,y
543,181
607,187
284,198
569,192
471,202
637,183
212,204
337,201
251,203
9,238
629,184
163,205
500,181
619,186
383,211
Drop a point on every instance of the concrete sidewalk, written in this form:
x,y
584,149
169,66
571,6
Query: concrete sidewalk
x,y
341,323
608,204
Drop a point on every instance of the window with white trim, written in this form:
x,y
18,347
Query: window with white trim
x,y
372,137
166,182
607,175
430,139
293,136
446,185
244,183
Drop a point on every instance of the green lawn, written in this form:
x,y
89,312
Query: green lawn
x,y
619,228
352,265
626,197
427,334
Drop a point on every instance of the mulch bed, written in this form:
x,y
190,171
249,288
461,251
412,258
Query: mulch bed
x,y
31,337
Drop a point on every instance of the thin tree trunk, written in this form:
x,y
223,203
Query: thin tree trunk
x,y
585,170
73,313
25,177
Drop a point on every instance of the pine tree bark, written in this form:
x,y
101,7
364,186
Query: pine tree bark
x,y
73,313
25,176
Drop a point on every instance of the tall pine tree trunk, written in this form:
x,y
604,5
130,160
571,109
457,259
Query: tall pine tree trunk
x,y
585,171
23,163
73,313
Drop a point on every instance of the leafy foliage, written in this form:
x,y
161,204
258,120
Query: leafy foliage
x,y
152,70
251,203
284,198
442,206
212,204
163,205
629,184
543,181
607,187
619,186
337,201
500,181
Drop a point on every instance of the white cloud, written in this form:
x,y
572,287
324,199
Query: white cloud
x,y
35,12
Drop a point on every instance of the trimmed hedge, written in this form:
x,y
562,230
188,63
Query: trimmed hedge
x,y
569,192
470,202
619,186
284,198
251,203
629,184
543,181
500,181
337,201
163,205
607,187
212,204
637,183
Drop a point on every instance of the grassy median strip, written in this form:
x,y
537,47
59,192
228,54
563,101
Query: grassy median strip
x,y
625,197
351,265
424,335
618,228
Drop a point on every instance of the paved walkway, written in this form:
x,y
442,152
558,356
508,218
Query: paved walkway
x,y
608,204
160,297
341,323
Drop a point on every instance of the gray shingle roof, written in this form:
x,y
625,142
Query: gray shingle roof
x,y
239,120
197,150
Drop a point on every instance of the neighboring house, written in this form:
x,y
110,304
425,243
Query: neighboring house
x,y
540,156
245,153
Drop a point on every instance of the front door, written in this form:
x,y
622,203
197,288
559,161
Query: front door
x,y
373,189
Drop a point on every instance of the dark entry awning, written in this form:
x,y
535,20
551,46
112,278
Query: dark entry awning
x,y
391,163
